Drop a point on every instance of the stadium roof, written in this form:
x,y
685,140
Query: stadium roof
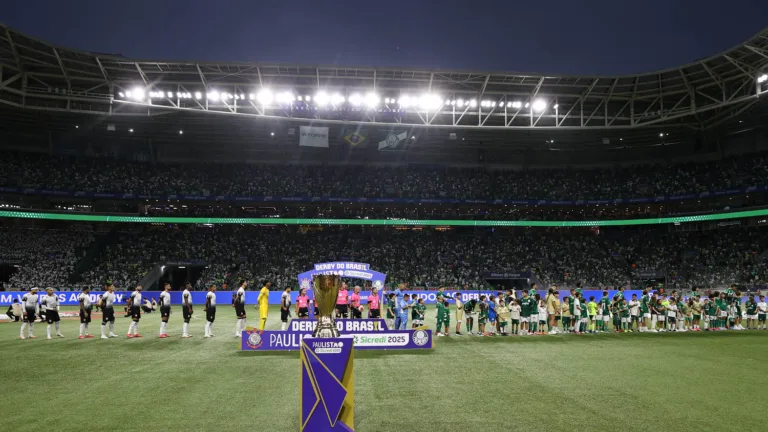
x,y
35,74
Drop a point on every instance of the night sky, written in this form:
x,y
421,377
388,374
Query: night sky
x,y
551,36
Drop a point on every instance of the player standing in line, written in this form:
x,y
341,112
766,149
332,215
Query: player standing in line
x,y
723,308
672,314
565,314
592,309
626,320
492,315
515,316
285,308
605,311
558,311
165,309
443,315
391,311
401,322
29,303
634,313
263,302
751,308
135,310
645,311
302,304
51,302
459,313
210,310
737,303
418,312
84,299
550,304
186,310
542,312
503,317
469,315
354,303
108,312
576,314
525,313
483,316
762,310
694,305
238,302
342,302
712,313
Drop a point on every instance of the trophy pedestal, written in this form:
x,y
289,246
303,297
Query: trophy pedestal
x,y
327,384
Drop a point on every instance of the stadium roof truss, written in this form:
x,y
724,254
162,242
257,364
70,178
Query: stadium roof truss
x,y
38,75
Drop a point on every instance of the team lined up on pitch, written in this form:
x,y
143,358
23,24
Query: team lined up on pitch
x,y
501,314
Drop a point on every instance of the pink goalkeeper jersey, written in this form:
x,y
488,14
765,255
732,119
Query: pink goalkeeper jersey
x,y
302,301
342,298
373,301
355,299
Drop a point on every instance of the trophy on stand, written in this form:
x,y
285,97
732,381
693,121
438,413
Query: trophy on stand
x,y
326,289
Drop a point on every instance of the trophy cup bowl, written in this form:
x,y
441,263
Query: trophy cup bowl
x,y
326,290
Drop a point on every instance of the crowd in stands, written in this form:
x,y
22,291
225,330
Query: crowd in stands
x,y
422,258
41,257
105,175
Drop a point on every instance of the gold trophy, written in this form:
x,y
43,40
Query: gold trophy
x,y
326,289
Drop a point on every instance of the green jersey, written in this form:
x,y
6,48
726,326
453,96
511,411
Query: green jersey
x,y
621,295
528,306
390,308
729,293
751,307
722,304
571,304
624,310
443,312
605,304
644,304
660,308
483,310
584,311
712,310
417,312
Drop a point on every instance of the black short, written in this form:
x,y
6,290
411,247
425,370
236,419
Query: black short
x,y
165,312
108,314
303,312
52,316
342,310
136,313
30,315
317,311
374,313
284,314
186,312
85,316
240,310
210,314
356,313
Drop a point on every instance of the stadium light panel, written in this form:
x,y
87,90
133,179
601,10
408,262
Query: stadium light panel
x,y
762,78
300,98
501,104
138,93
198,95
130,130
509,104
517,104
405,101
181,132
169,94
121,94
251,96
307,98
214,95
355,99
285,97
371,100
460,102
322,98
473,103
337,99
265,96
429,101
539,105
527,104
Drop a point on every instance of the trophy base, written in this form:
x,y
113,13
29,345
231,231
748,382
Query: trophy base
x,y
326,328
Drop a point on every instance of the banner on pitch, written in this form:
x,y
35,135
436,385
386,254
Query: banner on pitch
x,y
368,334
313,136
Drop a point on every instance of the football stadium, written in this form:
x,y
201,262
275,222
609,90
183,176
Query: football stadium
x,y
232,246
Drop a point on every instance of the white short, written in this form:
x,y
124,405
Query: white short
x,y
543,317
524,319
417,322
753,317
624,320
647,315
712,318
599,317
661,318
723,314
606,318
672,315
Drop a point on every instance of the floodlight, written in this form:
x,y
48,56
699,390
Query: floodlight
x,y
265,96
762,78
181,132
307,98
138,93
517,104
214,95
337,99
285,97
539,105
371,99
429,101
251,96
555,106
509,104
130,130
355,99
121,94
170,94
460,102
473,103
501,104
300,98
527,104
321,98
405,101
198,95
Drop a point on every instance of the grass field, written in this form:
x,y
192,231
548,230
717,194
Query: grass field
x,y
606,382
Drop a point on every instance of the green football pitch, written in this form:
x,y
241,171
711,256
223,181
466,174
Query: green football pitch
x,y
606,382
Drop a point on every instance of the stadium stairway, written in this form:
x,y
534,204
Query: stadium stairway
x,y
94,251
